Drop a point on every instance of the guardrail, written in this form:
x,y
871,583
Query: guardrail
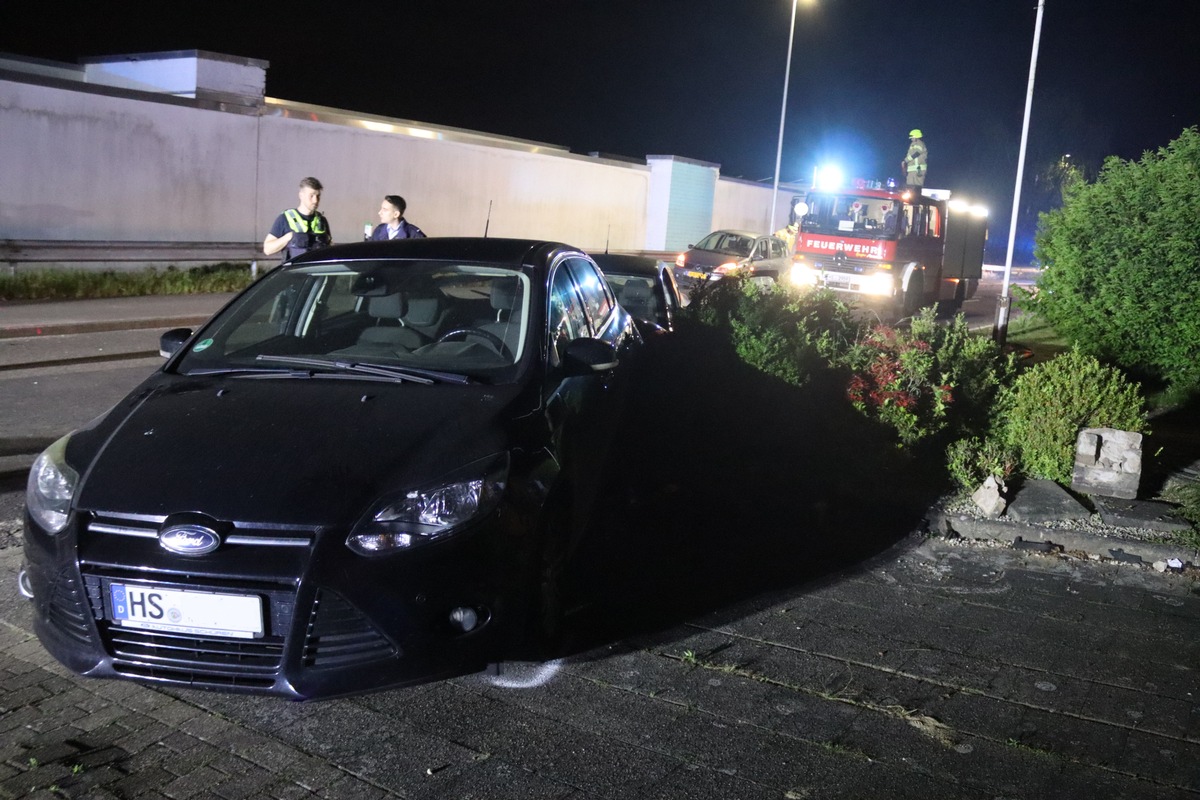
x,y
41,252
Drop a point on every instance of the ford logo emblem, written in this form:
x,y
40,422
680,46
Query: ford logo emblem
x,y
189,540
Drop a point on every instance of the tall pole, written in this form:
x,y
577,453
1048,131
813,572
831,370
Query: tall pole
x,y
787,74
1000,331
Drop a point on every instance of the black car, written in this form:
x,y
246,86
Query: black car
x,y
644,286
727,252
370,469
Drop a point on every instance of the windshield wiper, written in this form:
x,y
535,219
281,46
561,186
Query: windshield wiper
x,y
416,375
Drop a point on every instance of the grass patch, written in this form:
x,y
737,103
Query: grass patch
x,y
60,284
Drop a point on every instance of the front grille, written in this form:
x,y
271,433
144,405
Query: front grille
x,y
191,658
242,534
339,635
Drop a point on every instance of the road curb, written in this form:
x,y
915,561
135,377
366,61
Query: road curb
x,y
1112,548
100,326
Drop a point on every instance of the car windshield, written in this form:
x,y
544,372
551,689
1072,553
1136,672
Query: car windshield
x,y
378,320
849,214
727,242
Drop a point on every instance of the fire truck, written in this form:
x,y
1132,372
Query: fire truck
x,y
890,247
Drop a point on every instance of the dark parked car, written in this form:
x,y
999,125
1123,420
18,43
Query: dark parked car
x,y
644,286
722,253
371,468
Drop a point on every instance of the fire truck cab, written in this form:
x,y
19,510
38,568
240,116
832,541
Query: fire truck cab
x,y
895,247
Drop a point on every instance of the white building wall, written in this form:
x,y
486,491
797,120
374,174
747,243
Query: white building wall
x,y
82,165
742,205
116,165
448,186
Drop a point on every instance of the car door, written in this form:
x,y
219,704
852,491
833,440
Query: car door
x,y
584,406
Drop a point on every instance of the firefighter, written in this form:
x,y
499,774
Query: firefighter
x,y
788,234
914,161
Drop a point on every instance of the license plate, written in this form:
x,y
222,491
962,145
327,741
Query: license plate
x,y
198,613
698,275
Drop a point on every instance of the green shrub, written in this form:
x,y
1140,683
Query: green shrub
x,y
774,330
1047,406
974,366
972,460
61,284
1121,255
895,381
926,379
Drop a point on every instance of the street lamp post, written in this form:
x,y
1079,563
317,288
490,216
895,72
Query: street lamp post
x,y
787,74
1000,331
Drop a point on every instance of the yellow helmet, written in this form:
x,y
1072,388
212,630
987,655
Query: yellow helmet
x,y
915,133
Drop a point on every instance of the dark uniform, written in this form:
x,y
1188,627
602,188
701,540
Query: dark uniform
x,y
308,232
406,231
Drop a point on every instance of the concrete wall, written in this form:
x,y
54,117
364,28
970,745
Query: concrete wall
x,y
449,185
85,165
113,164
743,205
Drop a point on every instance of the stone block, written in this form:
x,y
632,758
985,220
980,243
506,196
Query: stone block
x,y
1041,501
990,497
1107,462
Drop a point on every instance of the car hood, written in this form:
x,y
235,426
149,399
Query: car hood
x,y
710,258
308,451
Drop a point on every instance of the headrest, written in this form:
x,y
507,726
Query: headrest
x,y
504,294
423,310
636,289
369,284
387,306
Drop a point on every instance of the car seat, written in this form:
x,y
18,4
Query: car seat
x,y
505,295
389,331
637,297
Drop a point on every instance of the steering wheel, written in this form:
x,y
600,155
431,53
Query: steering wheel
x,y
492,339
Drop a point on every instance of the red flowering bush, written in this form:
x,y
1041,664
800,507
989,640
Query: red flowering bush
x,y
895,380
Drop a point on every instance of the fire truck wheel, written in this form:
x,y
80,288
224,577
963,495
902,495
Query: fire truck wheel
x,y
955,305
914,295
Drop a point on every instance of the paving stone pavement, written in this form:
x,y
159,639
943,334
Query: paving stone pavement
x,y
935,670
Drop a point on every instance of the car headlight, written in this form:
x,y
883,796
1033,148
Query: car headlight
x,y
430,513
51,488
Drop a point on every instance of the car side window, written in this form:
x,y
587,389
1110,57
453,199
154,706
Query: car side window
x,y
598,300
567,320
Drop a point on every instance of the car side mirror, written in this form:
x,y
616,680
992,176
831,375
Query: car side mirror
x,y
588,356
170,342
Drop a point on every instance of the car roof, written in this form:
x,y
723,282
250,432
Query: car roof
x,y
751,234
626,264
439,248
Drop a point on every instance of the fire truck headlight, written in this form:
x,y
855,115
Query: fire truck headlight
x,y
803,275
881,283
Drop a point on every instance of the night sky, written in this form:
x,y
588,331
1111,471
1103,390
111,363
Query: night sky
x,y
704,79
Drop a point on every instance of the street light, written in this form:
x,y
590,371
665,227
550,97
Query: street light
x,y
787,74
1000,331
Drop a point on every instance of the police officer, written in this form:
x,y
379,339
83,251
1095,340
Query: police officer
x,y
302,228
914,162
